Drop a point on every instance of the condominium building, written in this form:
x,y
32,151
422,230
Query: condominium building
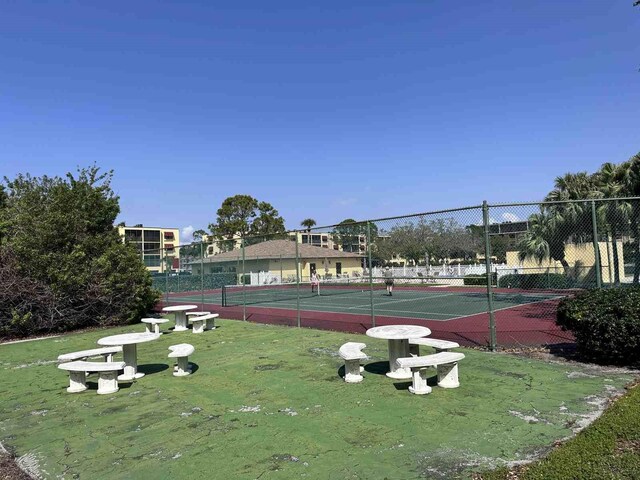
x,y
157,246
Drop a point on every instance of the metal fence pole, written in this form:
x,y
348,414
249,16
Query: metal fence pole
x,y
487,261
596,246
373,313
202,274
297,284
166,276
244,288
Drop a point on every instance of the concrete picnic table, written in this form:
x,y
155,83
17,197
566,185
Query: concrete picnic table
x,y
398,337
181,317
129,343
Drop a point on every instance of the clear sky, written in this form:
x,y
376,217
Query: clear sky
x,y
326,109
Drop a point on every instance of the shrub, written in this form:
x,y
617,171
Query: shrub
x,y
62,263
479,279
530,281
605,323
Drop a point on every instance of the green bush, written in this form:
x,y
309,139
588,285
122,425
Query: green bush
x,y
62,263
605,324
529,281
479,279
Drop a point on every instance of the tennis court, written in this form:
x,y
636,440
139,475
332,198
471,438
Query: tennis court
x,y
458,313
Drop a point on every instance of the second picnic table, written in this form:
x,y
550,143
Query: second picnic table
x,y
398,337
181,315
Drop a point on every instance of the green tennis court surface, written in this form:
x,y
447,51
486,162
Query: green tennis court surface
x,y
434,304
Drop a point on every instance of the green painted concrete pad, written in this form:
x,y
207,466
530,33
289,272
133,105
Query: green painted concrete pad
x,y
267,402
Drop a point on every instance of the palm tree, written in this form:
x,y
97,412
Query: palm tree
x,y
558,223
543,240
308,223
630,178
611,181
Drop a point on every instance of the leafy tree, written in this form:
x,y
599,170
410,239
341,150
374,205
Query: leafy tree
x,y
347,234
499,248
242,216
308,223
435,240
60,245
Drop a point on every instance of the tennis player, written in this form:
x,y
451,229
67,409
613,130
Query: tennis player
x,y
388,280
314,282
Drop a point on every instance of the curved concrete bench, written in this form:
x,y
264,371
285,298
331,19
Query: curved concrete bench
x,y
106,352
153,324
352,354
107,381
446,364
203,322
439,345
181,352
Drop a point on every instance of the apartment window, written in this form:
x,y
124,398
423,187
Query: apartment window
x,y
133,235
315,239
152,235
168,235
151,246
152,260
325,239
210,250
305,238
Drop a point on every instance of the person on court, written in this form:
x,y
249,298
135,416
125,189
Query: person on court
x,y
388,280
314,282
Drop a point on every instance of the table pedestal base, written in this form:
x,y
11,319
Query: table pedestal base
x,y
398,349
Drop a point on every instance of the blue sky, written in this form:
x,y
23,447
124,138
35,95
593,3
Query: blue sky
x,y
325,109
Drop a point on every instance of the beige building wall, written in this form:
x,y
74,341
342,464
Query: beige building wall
x,y
158,246
286,267
581,259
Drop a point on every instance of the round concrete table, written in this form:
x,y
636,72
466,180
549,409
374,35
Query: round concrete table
x,y
398,337
129,343
181,317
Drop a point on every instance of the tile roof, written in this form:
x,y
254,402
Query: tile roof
x,y
280,249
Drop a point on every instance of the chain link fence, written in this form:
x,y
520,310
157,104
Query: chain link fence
x,y
487,275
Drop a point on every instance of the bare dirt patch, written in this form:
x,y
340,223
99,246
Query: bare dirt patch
x,y
9,469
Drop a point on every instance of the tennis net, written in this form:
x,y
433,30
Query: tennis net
x,y
234,295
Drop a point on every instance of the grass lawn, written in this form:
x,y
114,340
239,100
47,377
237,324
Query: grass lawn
x,y
267,402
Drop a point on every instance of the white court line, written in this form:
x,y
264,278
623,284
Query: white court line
x,y
405,300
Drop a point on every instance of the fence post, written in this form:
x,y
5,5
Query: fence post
x,y
487,262
244,288
297,284
373,314
166,276
596,246
202,275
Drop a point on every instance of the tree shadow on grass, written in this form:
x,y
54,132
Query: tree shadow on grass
x,y
151,368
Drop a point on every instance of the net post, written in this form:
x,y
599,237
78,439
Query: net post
x,y
373,313
244,289
297,284
487,262
596,246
